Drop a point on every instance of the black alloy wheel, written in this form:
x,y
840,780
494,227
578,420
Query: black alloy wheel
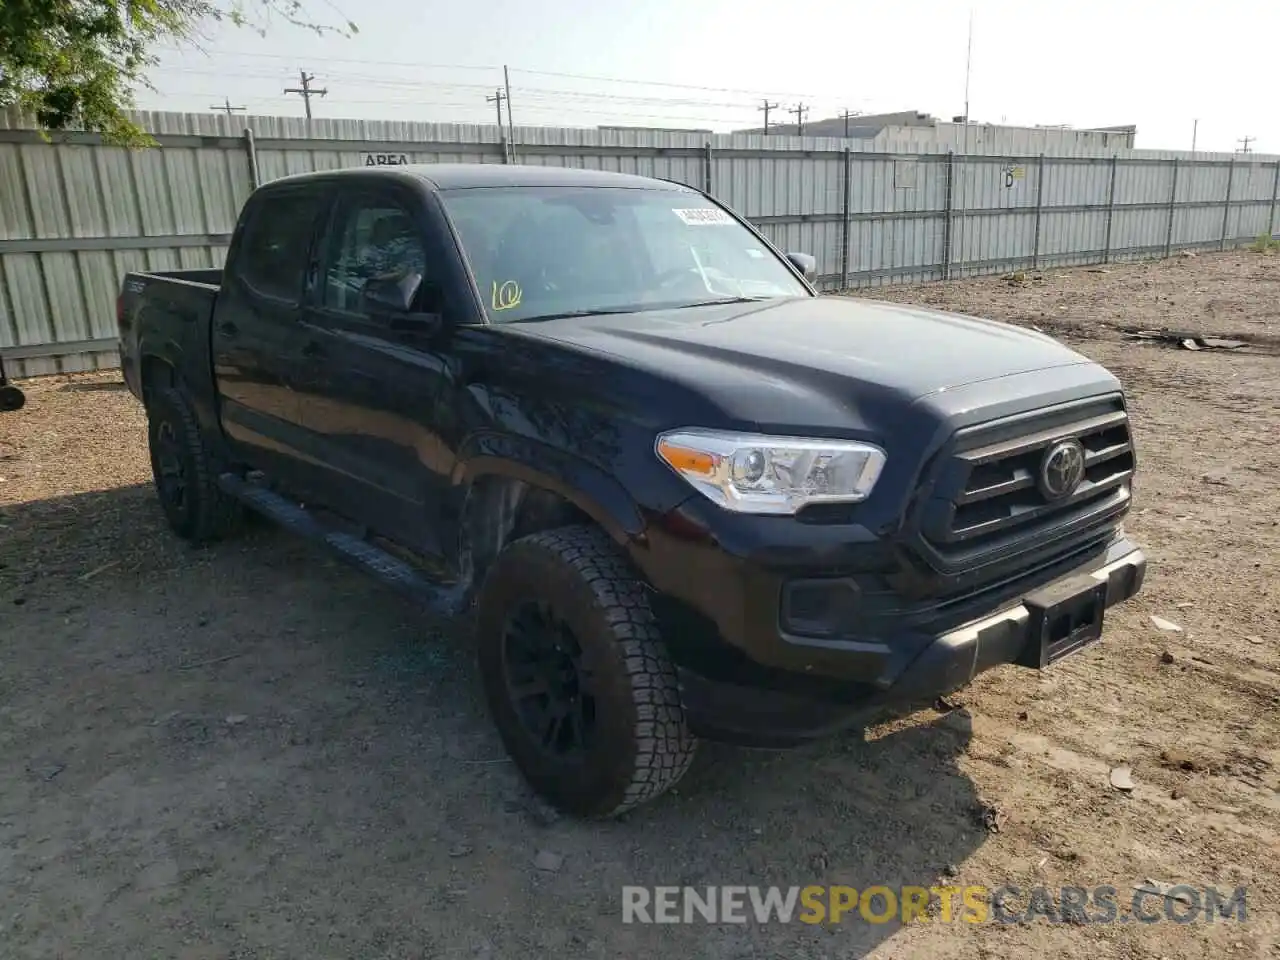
x,y
548,682
170,470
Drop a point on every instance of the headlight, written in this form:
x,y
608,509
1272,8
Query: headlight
x,y
779,475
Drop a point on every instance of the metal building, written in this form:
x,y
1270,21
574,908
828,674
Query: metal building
x,y
922,130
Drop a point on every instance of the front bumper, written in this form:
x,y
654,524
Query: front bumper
x,y
782,714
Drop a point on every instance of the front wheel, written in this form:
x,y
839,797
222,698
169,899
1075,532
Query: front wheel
x,y
576,674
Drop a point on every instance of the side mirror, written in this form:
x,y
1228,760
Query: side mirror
x,y
805,263
423,324
391,295
409,304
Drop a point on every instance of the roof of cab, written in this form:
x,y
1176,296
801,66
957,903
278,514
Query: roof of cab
x,y
451,176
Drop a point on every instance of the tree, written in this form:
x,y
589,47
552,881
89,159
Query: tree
x,y
68,62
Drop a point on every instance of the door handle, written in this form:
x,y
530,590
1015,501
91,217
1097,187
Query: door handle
x,y
313,350
228,329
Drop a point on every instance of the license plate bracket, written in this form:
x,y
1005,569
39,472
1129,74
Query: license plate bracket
x,y
1065,617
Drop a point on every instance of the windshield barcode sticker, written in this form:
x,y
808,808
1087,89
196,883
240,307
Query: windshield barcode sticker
x,y
702,216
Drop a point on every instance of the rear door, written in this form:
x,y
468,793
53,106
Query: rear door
x,y
257,337
370,403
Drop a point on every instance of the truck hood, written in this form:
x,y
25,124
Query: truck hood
x,y
908,351
899,376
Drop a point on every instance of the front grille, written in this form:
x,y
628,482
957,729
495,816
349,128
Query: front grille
x,y
988,498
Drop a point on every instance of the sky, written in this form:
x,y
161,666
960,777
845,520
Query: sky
x,y
1166,67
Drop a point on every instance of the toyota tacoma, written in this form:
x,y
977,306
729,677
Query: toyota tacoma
x,y
677,493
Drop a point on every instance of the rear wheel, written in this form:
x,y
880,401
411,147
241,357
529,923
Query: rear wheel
x,y
577,676
185,471
11,398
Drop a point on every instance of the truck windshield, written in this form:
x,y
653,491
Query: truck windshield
x,y
540,252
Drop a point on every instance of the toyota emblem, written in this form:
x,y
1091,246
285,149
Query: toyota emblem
x,y
1062,469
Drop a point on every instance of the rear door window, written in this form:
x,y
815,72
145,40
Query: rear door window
x,y
273,254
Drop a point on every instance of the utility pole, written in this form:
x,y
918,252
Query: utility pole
x,y
306,90
1195,128
499,97
766,106
1244,143
968,67
801,111
511,129
845,116
226,107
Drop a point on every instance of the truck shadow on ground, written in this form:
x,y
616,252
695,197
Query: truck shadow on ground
x,y
257,747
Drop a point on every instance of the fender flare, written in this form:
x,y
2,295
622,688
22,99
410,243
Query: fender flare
x,y
579,482
164,350
171,352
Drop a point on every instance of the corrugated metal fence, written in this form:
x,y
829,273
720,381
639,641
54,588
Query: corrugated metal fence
x,y
75,215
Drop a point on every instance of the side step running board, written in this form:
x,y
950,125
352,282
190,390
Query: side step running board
x,y
442,599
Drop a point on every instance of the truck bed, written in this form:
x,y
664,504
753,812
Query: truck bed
x,y
170,308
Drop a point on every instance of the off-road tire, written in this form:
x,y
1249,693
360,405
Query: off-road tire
x,y
642,741
204,513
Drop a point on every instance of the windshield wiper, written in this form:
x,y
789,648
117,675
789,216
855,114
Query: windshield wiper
x,y
723,300
595,312
636,308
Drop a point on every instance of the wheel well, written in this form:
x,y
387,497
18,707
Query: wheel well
x,y
499,510
156,373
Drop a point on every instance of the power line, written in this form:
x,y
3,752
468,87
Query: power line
x,y
643,118
659,83
306,90
393,82
461,101
361,61
801,111
639,109
495,67
536,101
227,107
1244,143
766,106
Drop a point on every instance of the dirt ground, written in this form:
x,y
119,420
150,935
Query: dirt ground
x,y
249,751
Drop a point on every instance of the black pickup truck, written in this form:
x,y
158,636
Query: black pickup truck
x,y
680,494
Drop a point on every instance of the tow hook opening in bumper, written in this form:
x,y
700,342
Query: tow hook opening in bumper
x,y
1057,620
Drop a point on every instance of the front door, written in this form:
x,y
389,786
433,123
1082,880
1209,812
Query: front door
x,y
369,400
